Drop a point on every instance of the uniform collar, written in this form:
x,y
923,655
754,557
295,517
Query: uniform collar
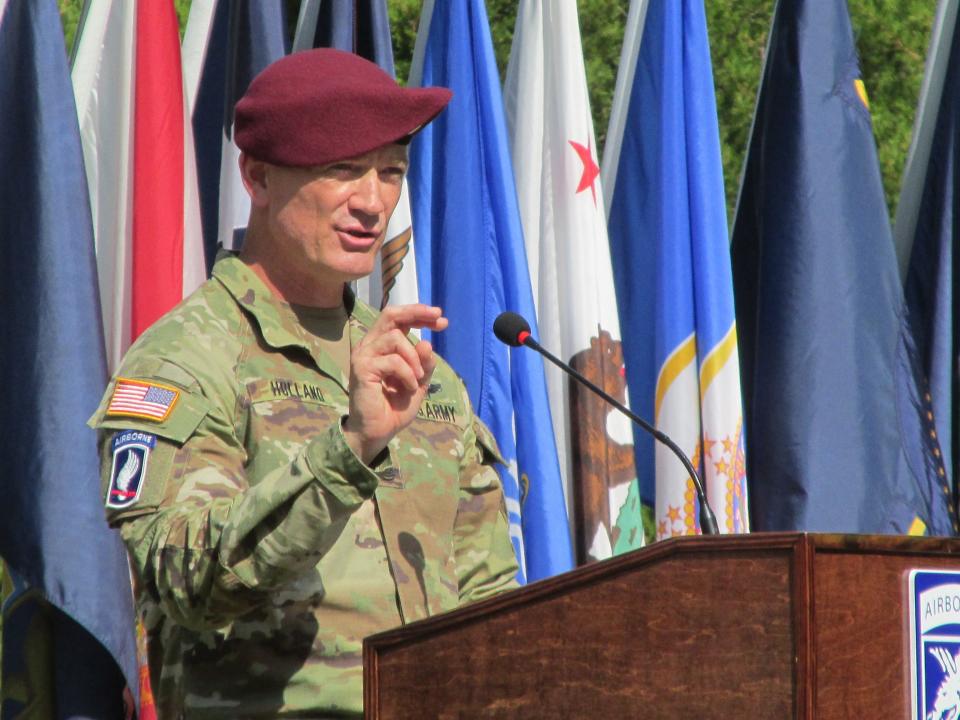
x,y
277,323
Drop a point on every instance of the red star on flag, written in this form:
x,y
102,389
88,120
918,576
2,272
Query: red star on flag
x,y
590,169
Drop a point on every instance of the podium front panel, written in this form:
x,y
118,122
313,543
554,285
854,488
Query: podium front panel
x,y
665,630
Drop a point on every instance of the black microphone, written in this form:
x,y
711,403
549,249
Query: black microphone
x,y
513,330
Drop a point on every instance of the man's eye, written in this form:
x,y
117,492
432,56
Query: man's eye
x,y
343,170
394,173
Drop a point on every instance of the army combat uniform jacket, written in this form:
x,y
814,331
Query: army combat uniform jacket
x,y
264,549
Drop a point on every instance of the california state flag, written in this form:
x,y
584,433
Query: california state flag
x,y
561,208
140,163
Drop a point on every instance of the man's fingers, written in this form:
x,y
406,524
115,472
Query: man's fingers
x,y
392,343
441,323
407,317
389,377
428,360
392,369
391,357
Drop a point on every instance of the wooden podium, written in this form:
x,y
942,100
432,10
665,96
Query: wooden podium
x,y
781,625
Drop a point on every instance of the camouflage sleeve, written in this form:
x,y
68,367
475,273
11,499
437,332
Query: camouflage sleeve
x,y
207,546
486,564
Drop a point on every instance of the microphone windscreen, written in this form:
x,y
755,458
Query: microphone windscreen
x,y
508,326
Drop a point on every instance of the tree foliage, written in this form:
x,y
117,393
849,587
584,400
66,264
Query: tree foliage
x,y
738,40
892,38
70,17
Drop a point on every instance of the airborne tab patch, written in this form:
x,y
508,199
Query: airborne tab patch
x,y
131,450
136,398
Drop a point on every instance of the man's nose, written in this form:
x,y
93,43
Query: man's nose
x,y
368,195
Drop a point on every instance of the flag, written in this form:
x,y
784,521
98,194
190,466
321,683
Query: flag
x,y
364,28
361,27
67,661
668,238
225,45
926,227
471,262
141,172
138,151
565,231
835,414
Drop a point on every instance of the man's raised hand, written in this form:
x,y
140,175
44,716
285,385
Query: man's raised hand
x,y
389,377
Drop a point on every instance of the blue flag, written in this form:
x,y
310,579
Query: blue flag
x,y
244,36
932,275
835,413
361,27
54,536
471,261
668,239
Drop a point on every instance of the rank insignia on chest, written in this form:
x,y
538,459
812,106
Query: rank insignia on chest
x,y
131,450
135,398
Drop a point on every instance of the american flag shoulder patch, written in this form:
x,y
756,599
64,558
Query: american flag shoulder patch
x,y
137,398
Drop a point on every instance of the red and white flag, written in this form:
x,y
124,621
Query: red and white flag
x,y
565,231
141,168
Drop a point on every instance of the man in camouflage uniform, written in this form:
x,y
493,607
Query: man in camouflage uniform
x,y
289,470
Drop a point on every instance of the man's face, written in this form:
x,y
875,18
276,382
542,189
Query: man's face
x,y
329,221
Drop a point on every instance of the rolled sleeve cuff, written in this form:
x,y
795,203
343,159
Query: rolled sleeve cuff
x,y
335,466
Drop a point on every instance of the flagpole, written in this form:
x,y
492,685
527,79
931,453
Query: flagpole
x,y
621,100
911,186
76,34
306,25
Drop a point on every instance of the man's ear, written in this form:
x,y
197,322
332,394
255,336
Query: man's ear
x,y
253,172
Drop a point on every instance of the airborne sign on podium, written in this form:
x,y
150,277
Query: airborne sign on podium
x,y
935,643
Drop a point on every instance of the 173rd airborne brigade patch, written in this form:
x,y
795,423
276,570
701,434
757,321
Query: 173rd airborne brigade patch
x,y
131,450
935,644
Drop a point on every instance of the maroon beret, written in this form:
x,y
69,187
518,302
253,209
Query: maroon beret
x,y
318,106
